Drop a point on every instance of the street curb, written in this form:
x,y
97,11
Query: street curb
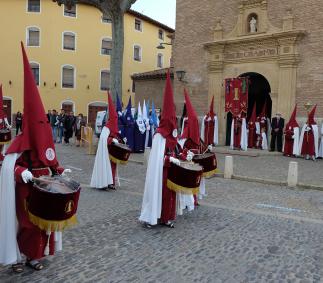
x,y
245,153
277,183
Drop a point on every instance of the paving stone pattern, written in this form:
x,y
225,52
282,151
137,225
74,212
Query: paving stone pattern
x,y
242,232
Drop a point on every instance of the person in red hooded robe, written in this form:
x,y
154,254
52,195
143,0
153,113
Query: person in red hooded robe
x,y
291,145
159,200
4,125
309,140
191,144
252,136
105,166
209,127
31,154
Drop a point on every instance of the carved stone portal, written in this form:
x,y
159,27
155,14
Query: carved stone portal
x,y
267,50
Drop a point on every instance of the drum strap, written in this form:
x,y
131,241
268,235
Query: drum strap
x,y
30,165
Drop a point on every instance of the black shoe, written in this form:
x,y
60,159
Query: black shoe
x,y
112,187
147,226
169,224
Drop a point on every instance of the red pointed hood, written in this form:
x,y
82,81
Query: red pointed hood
x,y
167,123
191,130
36,135
292,121
112,123
2,114
211,113
310,119
253,117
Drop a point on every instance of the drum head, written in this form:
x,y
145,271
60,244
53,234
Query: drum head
x,y
191,166
56,185
204,155
123,146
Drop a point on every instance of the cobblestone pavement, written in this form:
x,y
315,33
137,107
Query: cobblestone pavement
x,y
242,232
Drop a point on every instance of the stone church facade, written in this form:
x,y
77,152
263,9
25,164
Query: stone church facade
x,y
279,43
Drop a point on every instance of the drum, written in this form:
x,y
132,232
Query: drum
x,y
52,203
119,153
184,178
5,136
208,162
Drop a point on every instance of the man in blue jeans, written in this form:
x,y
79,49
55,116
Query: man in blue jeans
x,y
60,125
53,123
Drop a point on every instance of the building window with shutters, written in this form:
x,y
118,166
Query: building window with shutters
x,y
138,25
33,37
70,11
106,20
137,53
68,76
33,6
69,41
160,60
106,46
105,80
161,34
36,71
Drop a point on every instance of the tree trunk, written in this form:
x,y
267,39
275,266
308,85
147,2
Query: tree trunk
x,y
117,55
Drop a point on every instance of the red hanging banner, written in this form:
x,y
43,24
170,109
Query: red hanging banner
x,y
236,95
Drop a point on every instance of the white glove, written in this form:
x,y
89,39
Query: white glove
x,y
210,147
26,176
125,140
174,160
66,171
209,119
119,113
115,141
189,157
293,137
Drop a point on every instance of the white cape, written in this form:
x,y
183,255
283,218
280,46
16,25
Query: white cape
x,y
152,199
102,173
184,201
296,150
321,144
316,139
216,130
264,142
244,135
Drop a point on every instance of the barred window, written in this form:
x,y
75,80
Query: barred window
x,y
34,6
138,25
70,11
160,60
35,70
68,77
69,41
33,36
160,34
106,46
105,80
106,20
137,53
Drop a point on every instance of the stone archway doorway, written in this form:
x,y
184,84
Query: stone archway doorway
x,y
259,93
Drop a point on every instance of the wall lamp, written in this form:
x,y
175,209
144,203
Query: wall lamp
x,y
161,45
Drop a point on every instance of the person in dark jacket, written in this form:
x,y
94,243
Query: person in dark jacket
x,y
53,123
18,122
60,125
69,124
277,128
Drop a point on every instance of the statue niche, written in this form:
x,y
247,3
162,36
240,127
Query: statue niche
x,y
252,23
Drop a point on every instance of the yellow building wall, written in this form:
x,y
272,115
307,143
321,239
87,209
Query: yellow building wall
x,y
87,60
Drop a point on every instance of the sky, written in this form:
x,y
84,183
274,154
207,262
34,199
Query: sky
x,y
163,11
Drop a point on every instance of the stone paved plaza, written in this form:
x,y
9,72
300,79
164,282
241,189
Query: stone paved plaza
x,y
242,232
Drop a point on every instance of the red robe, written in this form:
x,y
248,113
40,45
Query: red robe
x,y
252,136
209,131
31,240
289,141
308,146
237,133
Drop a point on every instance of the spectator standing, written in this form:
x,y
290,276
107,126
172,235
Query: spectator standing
x,y
60,125
69,124
18,122
79,123
53,124
49,113
277,126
